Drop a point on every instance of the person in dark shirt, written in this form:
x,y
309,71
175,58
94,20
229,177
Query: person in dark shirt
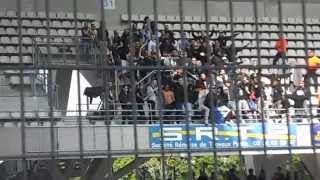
x,y
100,33
122,51
251,176
148,61
223,38
125,37
116,38
166,46
169,34
137,35
278,175
231,175
203,49
125,100
299,96
277,94
194,51
232,49
179,96
203,177
85,41
262,175
202,37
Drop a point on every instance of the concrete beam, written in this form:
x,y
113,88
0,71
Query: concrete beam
x,y
96,169
129,168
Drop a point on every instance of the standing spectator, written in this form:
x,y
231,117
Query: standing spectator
x,y
151,98
169,34
140,102
220,101
244,93
203,176
223,38
147,29
116,38
253,104
179,97
201,88
231,175
313,63
277,94
125,37
262,175
137,35
99,33
152,45
281,47
218,54
192,98
169,100
85,40
166,46
203,36
251,176
299,96
203,52
184,44
195,50
278,175
125,100
93,32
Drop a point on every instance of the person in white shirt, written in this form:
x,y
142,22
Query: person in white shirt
x,y
152,45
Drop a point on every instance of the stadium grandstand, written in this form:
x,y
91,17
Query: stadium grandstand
x,y
159,89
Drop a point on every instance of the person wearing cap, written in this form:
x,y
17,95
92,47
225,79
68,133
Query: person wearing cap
x,y
281,47
313,63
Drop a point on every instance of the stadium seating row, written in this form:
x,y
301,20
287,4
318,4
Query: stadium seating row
x,y
39,32
15,59
220,19
237,27
28,115
39,23
42,15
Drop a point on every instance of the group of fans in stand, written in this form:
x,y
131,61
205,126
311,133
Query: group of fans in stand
x,y
207,66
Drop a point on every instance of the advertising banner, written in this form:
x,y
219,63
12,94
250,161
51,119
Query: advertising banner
x,y
316,134
226,136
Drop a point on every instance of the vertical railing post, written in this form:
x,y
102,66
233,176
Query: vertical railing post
x,y
22,102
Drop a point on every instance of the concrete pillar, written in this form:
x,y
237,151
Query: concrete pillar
x,y
312,161
96,170
63,80
271,8
269,163
249,163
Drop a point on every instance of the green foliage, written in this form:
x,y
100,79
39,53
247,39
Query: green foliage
x,y
121,162
178,166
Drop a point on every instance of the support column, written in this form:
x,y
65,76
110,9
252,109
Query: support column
x,y
312,162
63,82
96,170
269,163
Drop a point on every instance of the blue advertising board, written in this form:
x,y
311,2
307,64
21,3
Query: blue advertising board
x,y
226,136
316,134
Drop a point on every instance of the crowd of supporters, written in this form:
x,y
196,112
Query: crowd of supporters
x,y
204,78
